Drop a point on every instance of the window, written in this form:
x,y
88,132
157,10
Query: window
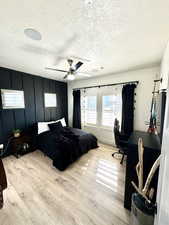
x,y
111,109
100,107
50,100
12,99
90,110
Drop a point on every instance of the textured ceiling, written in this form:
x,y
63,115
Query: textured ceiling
x,y
115,34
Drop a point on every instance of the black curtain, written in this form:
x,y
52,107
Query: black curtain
x,y
76,109
128,109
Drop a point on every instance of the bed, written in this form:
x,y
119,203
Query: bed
x,y
65,145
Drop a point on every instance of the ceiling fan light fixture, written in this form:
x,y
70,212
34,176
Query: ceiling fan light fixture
x,y
71,77
88,2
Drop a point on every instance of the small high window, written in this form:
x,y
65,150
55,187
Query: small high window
x,y
12,99
50,100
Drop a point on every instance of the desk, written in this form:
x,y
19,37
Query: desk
x,y
151,152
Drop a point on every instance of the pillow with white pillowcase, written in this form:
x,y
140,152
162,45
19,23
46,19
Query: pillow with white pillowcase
x,y
43,126
63,122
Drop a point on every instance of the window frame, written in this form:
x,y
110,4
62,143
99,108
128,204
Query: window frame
x,y
101,118
47,105
3,91
99,107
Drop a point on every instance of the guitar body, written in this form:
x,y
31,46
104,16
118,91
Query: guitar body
x,y
152,126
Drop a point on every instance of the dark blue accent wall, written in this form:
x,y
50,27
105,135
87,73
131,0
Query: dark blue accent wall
x,y
34,88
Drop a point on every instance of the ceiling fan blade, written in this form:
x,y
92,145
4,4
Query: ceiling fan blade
x,y
78,65
80,58
65,76
56,70
84,74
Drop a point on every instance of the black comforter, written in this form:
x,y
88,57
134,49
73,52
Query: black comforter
x,y
66,146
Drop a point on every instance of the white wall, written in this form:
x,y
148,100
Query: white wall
x,y
143,97
164,71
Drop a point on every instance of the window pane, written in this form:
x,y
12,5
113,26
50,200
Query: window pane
x,y
111,109
50,100
12,99
90,109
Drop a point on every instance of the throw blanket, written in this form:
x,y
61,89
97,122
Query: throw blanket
x,y
66,145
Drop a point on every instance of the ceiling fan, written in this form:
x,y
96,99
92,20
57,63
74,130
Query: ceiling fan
x,y
72,72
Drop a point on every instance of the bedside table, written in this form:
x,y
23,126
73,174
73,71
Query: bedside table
x,y
22,145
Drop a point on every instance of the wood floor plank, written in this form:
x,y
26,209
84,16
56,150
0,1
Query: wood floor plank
x,y
89,192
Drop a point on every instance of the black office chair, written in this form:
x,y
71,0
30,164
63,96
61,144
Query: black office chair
x,y
120,141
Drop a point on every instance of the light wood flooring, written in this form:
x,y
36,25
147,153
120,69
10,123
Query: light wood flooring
x,y
89,192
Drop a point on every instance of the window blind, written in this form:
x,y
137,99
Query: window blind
x,y
111,109
50,100
90,109
12,99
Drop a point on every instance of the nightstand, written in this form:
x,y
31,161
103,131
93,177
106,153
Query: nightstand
x,y
22,145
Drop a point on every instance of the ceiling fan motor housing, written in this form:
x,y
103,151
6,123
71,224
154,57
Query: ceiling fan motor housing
x,y
70,61
70,74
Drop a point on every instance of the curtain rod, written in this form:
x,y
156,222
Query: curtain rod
x,y
107,85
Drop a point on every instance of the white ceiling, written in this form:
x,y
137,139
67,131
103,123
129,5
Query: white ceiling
x,y
115,34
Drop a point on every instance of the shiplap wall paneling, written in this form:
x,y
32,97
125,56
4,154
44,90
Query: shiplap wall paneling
x,y
34,88
19,114
53,110
39,99
7,116
29,92
46,85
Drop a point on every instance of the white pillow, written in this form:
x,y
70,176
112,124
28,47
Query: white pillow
x,y
43,126
63,122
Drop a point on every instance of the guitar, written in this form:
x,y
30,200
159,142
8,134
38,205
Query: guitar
x,y
153,114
